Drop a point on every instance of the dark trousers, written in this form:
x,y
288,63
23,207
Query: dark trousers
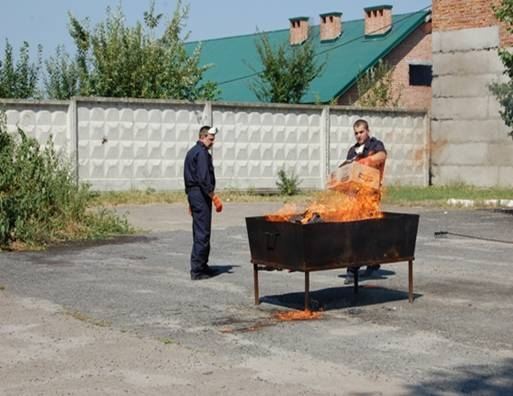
x,y
201,207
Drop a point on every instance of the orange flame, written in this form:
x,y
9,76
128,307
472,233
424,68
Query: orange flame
x,y
297,315
350,203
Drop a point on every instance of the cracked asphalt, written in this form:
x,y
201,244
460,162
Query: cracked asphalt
x,y
154,331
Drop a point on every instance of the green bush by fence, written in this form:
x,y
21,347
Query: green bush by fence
x,y
40,201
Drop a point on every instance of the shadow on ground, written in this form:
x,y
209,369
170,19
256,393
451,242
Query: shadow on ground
x,y
338,297
222,269
471,379
376,275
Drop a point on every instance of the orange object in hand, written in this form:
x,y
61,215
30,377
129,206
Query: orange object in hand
x,y
217,203
365,161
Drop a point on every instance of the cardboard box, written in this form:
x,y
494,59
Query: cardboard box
x,y
354,174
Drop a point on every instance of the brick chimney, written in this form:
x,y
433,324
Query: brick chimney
x,y
298,30
378,20
331,26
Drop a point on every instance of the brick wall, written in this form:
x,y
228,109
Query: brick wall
x,y
467,14
298,32
331,26
378,21
417,47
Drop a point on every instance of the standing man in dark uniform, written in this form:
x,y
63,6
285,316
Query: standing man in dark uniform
x,y
371,152
200,183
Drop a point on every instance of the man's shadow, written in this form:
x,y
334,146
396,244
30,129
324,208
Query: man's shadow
x,y
222,269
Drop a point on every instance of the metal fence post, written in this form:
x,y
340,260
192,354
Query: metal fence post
x,y
325,145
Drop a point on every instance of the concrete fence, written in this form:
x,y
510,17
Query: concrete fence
x,y
122,144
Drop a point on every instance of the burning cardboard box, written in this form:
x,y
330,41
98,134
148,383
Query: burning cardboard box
x,y
353,175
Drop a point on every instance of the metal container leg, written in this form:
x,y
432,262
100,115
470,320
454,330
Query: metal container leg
x,y
410,281
255,284
307,291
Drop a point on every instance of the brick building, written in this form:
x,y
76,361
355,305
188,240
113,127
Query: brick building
x,y
469,139
412,64
349,49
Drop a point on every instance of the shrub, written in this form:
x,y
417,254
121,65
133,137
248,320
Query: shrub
x,y
40,202
288,184
503,91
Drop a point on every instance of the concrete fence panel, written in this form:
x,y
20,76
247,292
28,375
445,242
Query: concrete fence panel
x,y
135,144
257,141
41,119
122,144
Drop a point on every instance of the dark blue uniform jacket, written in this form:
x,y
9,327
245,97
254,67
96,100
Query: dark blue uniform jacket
x,y
198,170
371,146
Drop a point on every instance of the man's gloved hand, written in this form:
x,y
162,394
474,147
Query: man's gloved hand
x,y
217,203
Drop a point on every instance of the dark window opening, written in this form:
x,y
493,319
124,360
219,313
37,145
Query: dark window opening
x,y
421,75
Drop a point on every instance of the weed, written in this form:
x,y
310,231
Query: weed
x,y
288,184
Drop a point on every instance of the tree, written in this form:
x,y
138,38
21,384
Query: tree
x,y
374,87
62,76
115,60
287,71
19,80
504,91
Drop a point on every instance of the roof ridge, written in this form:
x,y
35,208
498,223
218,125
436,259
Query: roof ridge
x,y
287,29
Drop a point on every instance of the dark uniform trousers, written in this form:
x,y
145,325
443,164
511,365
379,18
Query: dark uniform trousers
x,y
201,208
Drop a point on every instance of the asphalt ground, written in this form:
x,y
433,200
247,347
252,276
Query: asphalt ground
x,y
455,338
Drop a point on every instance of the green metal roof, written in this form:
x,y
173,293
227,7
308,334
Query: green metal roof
x,y
234,57
378,7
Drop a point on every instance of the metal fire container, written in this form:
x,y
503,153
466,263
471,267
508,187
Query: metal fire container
x,y
330,245
354,174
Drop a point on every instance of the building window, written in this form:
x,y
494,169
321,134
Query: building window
x,y
421,74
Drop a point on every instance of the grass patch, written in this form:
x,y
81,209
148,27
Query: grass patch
x,y
150,196
438,195
136,197
435,196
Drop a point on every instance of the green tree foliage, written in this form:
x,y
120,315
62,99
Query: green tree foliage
x,y
374,87
115,60
62,76
287,71
19,80
40,202
504,91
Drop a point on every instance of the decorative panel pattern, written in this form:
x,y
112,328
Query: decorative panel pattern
x,y
255,143
41,121
135,145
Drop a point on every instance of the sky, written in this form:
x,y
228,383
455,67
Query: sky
x,y
45,21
